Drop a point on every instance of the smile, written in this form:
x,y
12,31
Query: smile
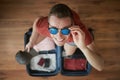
x,y
60,40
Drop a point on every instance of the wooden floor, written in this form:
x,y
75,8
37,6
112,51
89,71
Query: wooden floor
x,y
17,16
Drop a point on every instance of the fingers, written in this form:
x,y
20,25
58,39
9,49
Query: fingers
x,y
75,30
27,48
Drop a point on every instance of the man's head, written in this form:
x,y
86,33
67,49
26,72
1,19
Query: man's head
x,y
60,19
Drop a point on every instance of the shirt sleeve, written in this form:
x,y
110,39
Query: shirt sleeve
x,y
42,26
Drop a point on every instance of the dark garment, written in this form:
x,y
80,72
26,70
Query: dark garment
x,y
23,57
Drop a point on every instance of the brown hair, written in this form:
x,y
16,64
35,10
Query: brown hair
x,y
61,11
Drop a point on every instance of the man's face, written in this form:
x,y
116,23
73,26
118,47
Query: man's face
x,y
59,23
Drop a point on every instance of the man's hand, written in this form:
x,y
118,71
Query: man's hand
x,y
28,46
78,36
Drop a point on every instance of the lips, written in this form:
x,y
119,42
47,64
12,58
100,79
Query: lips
x,y
60,40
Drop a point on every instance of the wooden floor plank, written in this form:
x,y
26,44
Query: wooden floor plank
x,y
17,16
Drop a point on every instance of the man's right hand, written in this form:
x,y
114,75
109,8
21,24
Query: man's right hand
x,y
28,46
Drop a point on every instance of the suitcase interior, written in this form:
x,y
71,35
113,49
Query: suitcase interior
x,y
77,55
59,62
44,73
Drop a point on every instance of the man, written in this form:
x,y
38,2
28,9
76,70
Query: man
x,y
64,27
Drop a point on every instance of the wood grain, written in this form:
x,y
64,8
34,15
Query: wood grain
x,y
17,16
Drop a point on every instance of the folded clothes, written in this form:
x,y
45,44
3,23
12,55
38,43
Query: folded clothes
x,y
43,62
75,64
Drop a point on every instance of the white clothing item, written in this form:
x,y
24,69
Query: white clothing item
x,y
34,62
45,45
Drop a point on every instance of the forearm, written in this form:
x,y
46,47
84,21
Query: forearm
x,y
35,37
79,39
96,61
39,39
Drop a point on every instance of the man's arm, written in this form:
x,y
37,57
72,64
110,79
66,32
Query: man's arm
x,y
88,50
35,37
92,56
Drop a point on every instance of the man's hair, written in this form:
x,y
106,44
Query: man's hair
x,y
61,11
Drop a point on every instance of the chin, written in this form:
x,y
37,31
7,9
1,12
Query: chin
x,y
59,43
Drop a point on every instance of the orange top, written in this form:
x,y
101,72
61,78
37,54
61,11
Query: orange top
x,y
42,28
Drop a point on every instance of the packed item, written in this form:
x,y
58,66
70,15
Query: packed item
x,y
43,62
75,64
41,46
59,61
24,57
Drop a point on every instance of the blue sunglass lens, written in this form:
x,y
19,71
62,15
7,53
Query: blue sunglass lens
x,y
65,31
53,30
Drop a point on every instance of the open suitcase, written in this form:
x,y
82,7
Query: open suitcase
x,y
59,62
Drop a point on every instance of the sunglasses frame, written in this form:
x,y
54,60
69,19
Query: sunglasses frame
x,y
60,31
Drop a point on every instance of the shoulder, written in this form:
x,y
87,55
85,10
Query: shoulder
x,y
77,20
41,25
41,20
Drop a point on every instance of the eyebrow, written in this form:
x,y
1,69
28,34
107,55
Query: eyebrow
x,y
51,25
64,27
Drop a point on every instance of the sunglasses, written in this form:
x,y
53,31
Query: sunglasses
x,y
64,31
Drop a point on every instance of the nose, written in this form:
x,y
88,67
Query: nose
x,y
59,35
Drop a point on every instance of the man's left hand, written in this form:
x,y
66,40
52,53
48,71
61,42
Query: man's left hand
x,y
78,36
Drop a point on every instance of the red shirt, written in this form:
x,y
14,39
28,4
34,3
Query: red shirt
x,y
42,28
